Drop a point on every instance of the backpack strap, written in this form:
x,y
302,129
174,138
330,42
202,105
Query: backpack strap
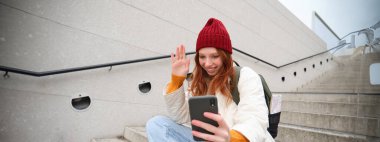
x,y
267,92
235,91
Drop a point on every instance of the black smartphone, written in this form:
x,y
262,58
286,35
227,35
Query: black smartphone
x,y
197,106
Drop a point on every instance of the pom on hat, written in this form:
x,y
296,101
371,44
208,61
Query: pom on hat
x,y
214,34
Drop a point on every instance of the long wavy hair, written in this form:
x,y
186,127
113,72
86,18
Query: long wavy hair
x,y
203,84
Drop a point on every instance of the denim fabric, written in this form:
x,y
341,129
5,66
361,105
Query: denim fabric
x,y
164,129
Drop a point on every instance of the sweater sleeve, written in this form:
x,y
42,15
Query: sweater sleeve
x,y
251,119
175,83
236,136
175,99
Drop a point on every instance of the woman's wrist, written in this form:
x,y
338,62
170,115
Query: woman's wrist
x,y
175,83
236,136
178,80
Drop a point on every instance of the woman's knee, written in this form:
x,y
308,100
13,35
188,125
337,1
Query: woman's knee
x,y
157,122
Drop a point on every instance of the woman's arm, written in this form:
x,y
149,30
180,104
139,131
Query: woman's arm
x,y
177,106
174,92
251,119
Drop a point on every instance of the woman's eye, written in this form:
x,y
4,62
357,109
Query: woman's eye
x,y
201,57
216,56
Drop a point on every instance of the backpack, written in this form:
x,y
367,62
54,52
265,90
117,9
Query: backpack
x,y
274,119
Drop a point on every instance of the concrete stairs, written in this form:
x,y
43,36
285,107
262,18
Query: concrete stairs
x,y
330,117
118,139
340,106
315,118
351,76
131,134
135,134
294,133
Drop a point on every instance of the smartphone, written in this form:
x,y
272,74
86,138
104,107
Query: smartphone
x,y
197,106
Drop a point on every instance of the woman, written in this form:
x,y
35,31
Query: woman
x,y
212,74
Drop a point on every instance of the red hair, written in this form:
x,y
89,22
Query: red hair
x,y
203,84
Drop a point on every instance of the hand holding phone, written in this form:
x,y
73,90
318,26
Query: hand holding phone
x,y
198,106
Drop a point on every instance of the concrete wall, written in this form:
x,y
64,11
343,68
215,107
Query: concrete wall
x,y
41,35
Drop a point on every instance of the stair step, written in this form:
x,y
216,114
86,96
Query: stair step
x,y
135,134
347,109
333,98
119,139
294,133
328,85
346,75
357,125
342,98
369,99
338,91
355,89
346,89
325,91
342,81
342,87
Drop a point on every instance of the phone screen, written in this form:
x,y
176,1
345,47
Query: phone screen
x,y
200,104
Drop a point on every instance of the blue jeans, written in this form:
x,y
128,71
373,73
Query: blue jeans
x,y
164,129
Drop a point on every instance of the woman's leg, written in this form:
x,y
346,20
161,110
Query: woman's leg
x,y
163,129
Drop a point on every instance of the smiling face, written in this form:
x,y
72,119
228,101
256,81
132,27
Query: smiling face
x,y
210,60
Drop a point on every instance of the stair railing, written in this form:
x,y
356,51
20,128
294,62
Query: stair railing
x,y
69,70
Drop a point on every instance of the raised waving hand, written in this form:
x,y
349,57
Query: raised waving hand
x,y
180,63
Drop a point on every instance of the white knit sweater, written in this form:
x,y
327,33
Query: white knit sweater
x,y
250,117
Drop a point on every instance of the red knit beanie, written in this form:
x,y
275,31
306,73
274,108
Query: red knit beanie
x,y
214,34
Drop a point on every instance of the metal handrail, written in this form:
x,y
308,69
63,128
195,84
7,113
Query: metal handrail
x,y
339,47
249,55
336,47
327,26
62,71
53,72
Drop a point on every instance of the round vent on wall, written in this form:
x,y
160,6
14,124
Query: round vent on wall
x,y
144,88
81,102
